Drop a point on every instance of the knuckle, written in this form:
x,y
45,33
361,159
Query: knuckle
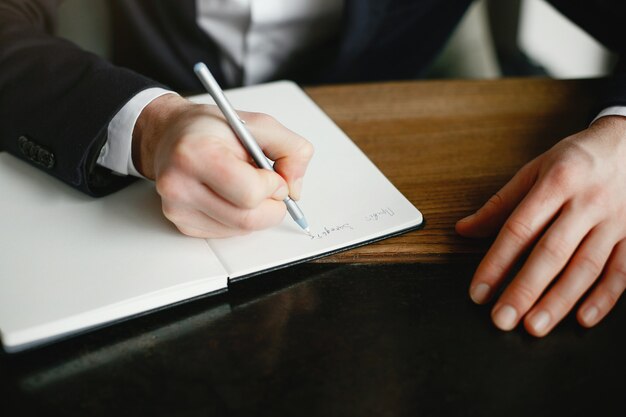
x,y
172,213
612,296
496,199
523,295
213,150
495,202
250,199
562,175
589,263
519,230
220,171
555,248
560,303
493,268
597,197
306,150
169,188
612,287
616,281
619,271
247,221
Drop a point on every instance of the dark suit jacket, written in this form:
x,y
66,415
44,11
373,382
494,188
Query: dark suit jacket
x,y
56,100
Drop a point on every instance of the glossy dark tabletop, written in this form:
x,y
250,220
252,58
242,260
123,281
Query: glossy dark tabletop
x,y
327,340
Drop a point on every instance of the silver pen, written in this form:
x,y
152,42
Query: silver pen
x,y
244,135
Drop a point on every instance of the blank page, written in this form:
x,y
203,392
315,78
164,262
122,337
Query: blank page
x,y
69,262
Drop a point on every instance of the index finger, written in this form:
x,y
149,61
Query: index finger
x,y
290,152
519,231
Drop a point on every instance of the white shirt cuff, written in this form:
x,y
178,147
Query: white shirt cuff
x,y
611,111
116,154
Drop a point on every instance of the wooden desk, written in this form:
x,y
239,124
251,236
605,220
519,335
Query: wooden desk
x,y
449,145
384,330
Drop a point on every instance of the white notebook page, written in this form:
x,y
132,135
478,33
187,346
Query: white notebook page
x,y
69,262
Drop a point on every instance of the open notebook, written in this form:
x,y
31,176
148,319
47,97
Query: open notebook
x,y
69,263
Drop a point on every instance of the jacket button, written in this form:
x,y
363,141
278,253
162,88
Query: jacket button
x,y
35,153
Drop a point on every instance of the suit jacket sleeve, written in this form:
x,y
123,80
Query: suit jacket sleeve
x,y
56,100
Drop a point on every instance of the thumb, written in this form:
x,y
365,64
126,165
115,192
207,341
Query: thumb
x,y
488,219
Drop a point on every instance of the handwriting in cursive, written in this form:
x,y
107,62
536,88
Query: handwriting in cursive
x,y
374,217
327,231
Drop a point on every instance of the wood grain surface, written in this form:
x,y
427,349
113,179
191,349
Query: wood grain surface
x,y
449,145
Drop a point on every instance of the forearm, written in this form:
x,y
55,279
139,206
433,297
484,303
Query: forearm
x,y
60,97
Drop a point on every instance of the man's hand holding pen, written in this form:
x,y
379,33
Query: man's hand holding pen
x,y
207,182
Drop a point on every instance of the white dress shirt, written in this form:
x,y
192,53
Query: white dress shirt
x,y
256,39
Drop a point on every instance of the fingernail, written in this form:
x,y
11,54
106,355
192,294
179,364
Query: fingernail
x,y
479,293
296,189
505,317
590,315
540,321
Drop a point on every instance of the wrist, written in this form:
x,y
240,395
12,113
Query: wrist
x,y
150,128
616,124
609,132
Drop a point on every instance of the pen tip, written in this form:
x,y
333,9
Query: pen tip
x,y
303,225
